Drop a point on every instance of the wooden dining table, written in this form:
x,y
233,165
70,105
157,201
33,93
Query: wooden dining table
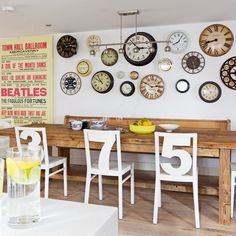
x,y
211,143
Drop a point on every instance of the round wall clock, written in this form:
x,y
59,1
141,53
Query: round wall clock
x,y
93,40
140,49
70,83
228,73
109,57
216,40
178,42
193,62
84,67
165,64
210,91
120,74
127,88
182,86
152,86
133,75
67,46
102,81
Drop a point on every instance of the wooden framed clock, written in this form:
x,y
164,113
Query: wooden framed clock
x,y
140,49
67,46
70,83
216,40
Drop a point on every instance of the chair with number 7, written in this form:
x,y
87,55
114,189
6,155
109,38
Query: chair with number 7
x,y
168,170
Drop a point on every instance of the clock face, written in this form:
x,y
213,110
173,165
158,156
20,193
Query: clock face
x,y
216,40
152,86
165,64
210,91
70,83
182,86
178,42
127,88
84,67
228,73
193,62
109,57
133,75
140,49
120,74
93,40
102,81
67,46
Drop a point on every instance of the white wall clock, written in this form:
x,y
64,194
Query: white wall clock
x,y
70,83
93,40
178,41
165,64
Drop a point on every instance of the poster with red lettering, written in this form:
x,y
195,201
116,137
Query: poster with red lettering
x,y
26,82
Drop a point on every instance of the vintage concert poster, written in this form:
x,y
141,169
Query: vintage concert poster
x,y
26,83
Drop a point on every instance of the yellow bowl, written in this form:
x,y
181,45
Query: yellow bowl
x,y
142,129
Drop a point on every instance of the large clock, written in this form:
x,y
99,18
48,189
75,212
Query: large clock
x,y
216,40
228,73
67,46
140,49
70,83
210,91
102,81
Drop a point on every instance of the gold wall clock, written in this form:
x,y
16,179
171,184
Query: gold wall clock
x,y
102,81
193,62
133,75
228,73
210,92
93,40
152,86
216,40
70,83
84,67
109,57
165,64
67,46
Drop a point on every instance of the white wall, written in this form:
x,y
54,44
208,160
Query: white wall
x,y
170,105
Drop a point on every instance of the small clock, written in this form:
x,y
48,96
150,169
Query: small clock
x,y
140,49
70,83
67,46
127,88
165,64
178,42
93,40
193,62
210,91
216,40
228,73
109,57
102,81
84,67
133,75
120,74
152,86
182,86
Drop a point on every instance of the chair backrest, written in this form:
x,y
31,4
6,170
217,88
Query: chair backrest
x,y
172,144
6,123
108,138
38,137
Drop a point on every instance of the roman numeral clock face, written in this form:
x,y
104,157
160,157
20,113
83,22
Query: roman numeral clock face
x,y
216,40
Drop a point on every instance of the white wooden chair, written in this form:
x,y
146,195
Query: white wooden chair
x,y
106,167
186,171
233,184
38,136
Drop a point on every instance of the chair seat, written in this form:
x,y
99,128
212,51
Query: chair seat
x,y
113,171
53,161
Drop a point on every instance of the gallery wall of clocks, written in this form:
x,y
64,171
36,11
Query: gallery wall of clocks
x,y
140,50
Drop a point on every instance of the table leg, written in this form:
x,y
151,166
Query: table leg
x,y
64,152
224,186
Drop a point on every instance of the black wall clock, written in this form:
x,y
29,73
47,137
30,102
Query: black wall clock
x,y
182,86
193,62
210,91
140,49
127,88
228,73
109,57
70,83
67,46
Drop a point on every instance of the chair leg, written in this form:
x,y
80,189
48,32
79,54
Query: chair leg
x,y
87,188
100,187
120,197
156,201
132,184
159,193
65,177
196,205
46,183
232,194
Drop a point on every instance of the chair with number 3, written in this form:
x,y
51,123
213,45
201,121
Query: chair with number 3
x,y
185,171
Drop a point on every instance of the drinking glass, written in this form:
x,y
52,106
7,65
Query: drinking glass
x,y
119,123
23,185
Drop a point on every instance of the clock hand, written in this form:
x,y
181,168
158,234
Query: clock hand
x,y
147,84
178,40
99,80
210,41
135,45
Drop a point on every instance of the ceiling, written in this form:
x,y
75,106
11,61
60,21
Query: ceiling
x,y
31,16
